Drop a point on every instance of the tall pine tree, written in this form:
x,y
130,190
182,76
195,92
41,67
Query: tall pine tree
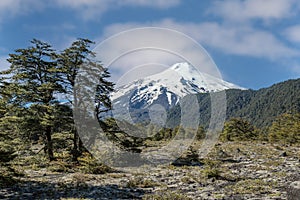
x,y
31,83
78,57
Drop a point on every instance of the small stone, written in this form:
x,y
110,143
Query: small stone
x,y
284,154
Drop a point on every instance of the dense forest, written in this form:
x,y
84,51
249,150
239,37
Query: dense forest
x,y
259,107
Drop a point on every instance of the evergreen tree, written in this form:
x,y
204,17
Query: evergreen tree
x,y
30,84
8,133
286,129
73,60
238,129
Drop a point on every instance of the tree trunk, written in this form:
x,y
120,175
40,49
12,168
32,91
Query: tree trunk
x,y
77,146
81,147
49,144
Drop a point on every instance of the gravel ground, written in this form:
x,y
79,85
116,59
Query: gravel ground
x,y
231,171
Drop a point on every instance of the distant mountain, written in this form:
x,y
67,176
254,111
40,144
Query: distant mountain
x,y
133,101
165,88
260,107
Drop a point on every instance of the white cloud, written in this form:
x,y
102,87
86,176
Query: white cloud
x,y
153,3
149,62
111,3
90,9
142,46
234,40
243,10
230,40
245,41
293,33
11,8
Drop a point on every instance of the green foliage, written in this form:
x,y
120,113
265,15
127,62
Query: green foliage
x,y
30,85
211,173
261,107
268,103
7,175
200,133
211,169
159,134
59,166
251,186
286,129
88,164
6,151
30,111
30,88
140,182
9,138
123,134
238,129
166,196
77,63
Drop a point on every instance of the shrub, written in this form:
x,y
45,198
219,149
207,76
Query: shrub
x,y
166,196
91,166
142,183
286,129
200,133
238,129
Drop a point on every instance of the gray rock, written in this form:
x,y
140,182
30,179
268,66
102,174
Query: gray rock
x,y
293,191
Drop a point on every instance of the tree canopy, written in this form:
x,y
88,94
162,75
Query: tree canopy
x,y
286,129
35,83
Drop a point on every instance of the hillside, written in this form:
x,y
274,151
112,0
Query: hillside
x,y
260,107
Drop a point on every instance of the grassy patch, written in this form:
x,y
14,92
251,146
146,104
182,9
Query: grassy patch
x,y
166,196
7,176
90,165
140,182
251,186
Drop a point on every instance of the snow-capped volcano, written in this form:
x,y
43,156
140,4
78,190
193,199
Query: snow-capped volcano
x,y
168,87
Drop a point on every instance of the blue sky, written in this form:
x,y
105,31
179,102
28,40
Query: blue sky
x,y
254,43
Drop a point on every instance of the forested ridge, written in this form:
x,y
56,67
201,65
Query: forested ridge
x,y
259,107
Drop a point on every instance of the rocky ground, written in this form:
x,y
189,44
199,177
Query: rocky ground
x,y
237,170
